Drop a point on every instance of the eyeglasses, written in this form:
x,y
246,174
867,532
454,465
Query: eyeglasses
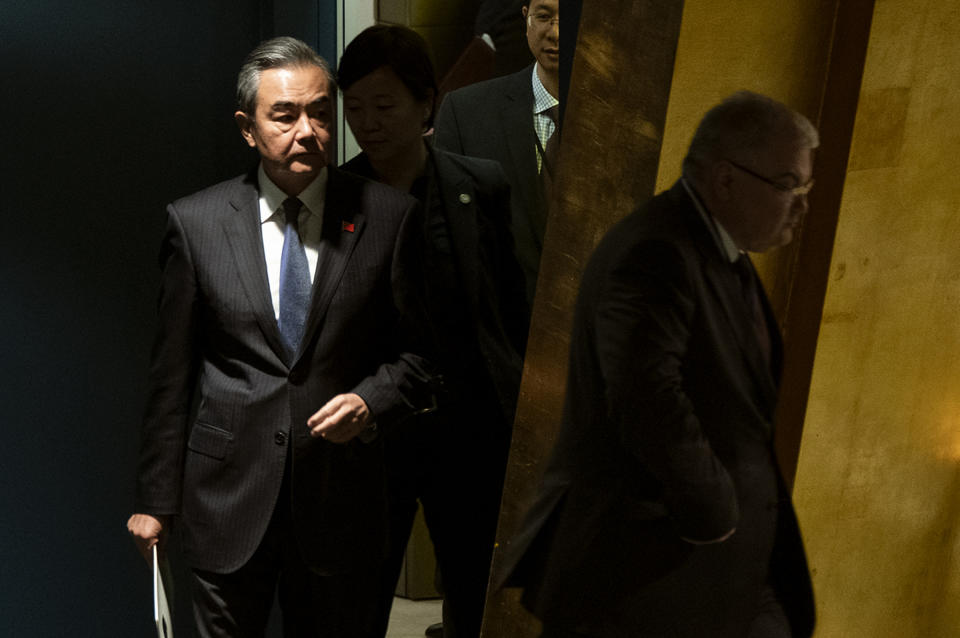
x,y
542,20
796,191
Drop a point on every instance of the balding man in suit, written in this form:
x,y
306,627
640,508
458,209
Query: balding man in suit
x,y
663,511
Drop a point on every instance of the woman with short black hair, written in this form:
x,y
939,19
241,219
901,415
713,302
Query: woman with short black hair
x,y
453,459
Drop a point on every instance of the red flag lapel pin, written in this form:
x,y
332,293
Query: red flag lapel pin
x,y
347,226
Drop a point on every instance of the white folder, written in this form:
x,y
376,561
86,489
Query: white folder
x,y
161,607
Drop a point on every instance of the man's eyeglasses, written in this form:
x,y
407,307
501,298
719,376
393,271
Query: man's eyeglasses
x,y
542,20
796,191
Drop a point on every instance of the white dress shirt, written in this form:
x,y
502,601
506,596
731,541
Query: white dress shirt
x,y
542,124
272,221
724,241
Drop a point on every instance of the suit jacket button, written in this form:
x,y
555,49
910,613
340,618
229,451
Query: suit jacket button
x,y
280,438
465,198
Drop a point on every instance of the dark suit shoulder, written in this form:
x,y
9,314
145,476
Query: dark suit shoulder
x,y
218,194
359,165
664,232
669,216
385,206
344,178
481,179
485,172
481,94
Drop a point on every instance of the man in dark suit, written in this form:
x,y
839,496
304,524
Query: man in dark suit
x,y
663,511
286,304
511,120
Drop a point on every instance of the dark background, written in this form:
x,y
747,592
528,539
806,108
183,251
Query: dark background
x,y
110,109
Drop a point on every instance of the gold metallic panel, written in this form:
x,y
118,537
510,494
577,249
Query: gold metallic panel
x,y
881,122
878,482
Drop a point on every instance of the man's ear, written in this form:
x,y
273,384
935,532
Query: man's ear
x,y
721,180
245,122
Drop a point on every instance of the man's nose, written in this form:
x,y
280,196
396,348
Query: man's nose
x,y
303,127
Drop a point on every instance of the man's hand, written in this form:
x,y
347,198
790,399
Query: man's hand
x,y
342,418
148,531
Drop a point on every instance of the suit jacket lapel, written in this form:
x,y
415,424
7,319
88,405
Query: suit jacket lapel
x,y
457,202
724,284
341,208
726,288
242,228
517,116
776,339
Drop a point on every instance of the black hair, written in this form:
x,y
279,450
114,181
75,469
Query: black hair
x,y
399,48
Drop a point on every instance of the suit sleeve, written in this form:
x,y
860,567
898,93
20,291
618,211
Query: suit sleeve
x,y
406,384
643,324
173,372
446,134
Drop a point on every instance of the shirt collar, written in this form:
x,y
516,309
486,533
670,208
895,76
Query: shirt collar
x,y
272,198
724,241
542,100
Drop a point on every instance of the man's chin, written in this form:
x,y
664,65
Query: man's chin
x,y
307,165
783,239
549,61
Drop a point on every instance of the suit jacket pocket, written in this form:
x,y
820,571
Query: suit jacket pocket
x,y
209,440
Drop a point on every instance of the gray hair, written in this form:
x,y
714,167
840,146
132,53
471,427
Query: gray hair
x,y
745,122
277,53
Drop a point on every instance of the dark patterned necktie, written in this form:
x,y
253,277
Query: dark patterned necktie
x,y
294,279
552,148
751,296
550,157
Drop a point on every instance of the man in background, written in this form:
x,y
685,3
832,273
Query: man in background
x,y
663,511
512,120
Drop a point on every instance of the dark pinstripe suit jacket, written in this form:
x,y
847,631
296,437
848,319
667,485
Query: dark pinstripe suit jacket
x,y
220,466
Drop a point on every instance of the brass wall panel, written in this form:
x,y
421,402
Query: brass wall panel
x,y
881,124
814,247
878,481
